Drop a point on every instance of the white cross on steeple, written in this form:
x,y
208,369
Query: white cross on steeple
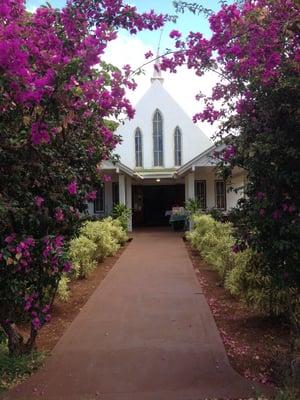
x,y
157,71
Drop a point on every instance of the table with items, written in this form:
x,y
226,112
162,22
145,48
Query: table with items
x,y
178,218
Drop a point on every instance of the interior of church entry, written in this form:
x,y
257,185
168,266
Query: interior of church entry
x,y
152,204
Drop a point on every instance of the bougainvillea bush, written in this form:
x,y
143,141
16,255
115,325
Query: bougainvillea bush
x,y
255,51
55,95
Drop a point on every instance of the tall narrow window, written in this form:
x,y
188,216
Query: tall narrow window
x,y
115,193
158,139
138,148
220,193
200,191
177,147
99,203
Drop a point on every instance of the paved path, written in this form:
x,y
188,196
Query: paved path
x,y
145,334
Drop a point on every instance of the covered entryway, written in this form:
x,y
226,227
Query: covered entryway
x,y
151,203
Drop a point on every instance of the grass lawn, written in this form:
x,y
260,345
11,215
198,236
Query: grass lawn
x,y
14,369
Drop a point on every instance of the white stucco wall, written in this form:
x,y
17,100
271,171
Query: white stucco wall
x,y
237,182
194,141
208,175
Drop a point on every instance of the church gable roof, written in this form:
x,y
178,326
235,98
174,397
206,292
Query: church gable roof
x,y
194,141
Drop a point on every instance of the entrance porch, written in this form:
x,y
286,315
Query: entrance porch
x,y
151,195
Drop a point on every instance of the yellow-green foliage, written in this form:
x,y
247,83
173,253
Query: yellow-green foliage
x,y
97,240
240,272
82,252
115,229
247,281
100,233
214,241
63,291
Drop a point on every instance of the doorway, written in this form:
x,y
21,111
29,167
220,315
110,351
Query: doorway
x,y
150,203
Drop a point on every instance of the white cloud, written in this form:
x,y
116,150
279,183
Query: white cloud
x,y
31,9
182,86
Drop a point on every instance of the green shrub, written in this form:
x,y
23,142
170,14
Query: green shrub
x,y
214,241
63,291
247,281
82,252
193,207
217,214
122,213
240,272
97,240
116,229
202,225
100,233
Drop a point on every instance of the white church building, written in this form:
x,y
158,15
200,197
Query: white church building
x,y
165,160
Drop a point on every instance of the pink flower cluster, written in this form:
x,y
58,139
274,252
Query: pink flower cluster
x,y
39,201
91,195
149,54
53,252
39,133
209,114
20,252
33,53
228,153
59,215
72,188
39,314
22,255
249,44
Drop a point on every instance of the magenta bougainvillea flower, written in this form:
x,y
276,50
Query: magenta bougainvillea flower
x,y
59,215
72,188
39,201
149,54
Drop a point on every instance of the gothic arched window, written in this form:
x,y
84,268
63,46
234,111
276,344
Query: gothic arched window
x,y
178,146
158,147
138,148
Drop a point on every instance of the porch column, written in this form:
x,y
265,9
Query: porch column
x,y
191,186
129,200
122,190
186,184
190,192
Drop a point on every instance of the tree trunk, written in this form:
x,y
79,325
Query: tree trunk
x,y
16,344
30,344
15,340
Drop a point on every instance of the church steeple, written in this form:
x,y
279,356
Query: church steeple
x,y
157,76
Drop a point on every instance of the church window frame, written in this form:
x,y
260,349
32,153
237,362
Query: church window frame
x,y
178,146
99,202
115,193
220,195
138,147
201,192
158,138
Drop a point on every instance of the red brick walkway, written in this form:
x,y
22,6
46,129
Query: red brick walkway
x,y
145,334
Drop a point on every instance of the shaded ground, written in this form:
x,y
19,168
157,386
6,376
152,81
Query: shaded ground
x,y
146,333
64,313
253,341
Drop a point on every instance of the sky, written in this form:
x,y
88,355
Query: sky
x,y
184,85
